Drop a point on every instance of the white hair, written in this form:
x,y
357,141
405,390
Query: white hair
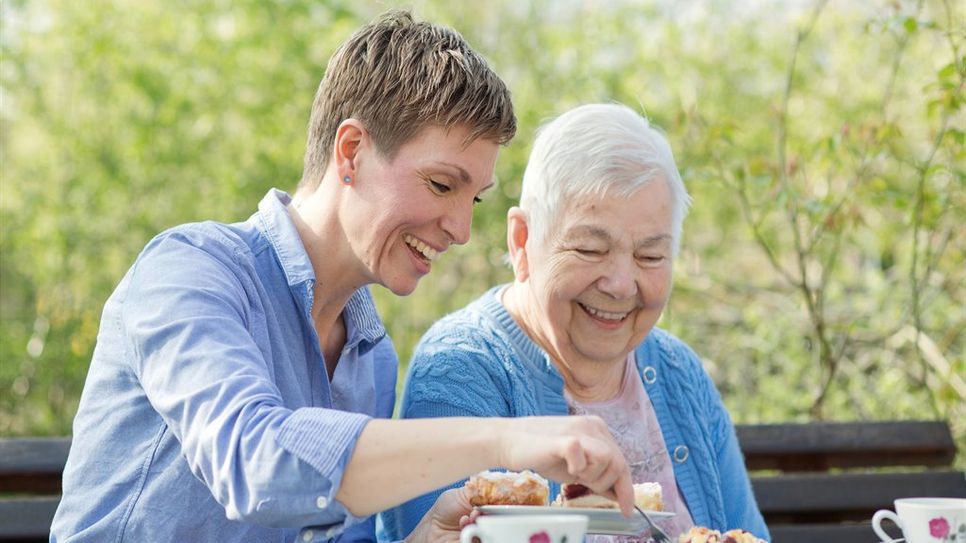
x,y
593,149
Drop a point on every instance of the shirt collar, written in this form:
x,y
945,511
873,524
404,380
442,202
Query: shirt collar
x,y
362,321
278,227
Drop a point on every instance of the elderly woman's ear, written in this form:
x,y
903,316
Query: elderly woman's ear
x,y
517,234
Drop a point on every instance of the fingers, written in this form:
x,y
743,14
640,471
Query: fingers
x,y
600,453
466,520
605,470
571,449
602,476
463,495
575,456
624,489
454,503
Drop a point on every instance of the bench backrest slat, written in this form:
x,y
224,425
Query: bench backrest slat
x,y
822,445
828,533
32,464
826,497
27,519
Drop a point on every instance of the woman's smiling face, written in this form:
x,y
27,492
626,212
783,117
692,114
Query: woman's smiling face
x,y
601,278
407,210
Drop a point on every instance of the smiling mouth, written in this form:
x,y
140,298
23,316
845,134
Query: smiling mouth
x,y
609,316
421,249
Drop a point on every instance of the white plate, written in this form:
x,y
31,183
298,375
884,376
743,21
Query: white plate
x,y
602,521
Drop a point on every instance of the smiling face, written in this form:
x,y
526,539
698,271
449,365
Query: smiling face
x,y
404,211
598,283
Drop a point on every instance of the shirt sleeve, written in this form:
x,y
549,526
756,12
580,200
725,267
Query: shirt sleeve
x,y
186,320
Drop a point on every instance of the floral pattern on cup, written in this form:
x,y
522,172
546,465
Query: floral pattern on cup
x,y
940,529
540,537
544,537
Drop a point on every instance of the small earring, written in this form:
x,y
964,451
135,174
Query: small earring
x,y
347,180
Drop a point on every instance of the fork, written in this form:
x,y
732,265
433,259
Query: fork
x,y
657,535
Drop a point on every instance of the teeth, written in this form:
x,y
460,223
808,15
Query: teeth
x,y
423,249
604,314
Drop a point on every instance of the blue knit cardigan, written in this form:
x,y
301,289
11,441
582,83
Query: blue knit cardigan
x,y
478,362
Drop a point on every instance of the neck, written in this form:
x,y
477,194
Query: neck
x,y
585,380
595,384
331,257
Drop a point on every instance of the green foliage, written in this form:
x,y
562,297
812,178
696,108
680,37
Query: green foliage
x,y
822,269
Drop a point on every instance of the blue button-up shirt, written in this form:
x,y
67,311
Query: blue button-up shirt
x,y
208,414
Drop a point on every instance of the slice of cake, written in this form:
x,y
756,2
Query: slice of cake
x,y
740,536
508,488
700,534
647,496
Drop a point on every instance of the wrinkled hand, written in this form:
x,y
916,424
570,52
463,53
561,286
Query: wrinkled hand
x,y
443,522
571,449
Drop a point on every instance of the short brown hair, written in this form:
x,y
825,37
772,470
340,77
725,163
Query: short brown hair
x,y
399,76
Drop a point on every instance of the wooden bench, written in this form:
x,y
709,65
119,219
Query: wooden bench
x,y
815,482
822,482
30,474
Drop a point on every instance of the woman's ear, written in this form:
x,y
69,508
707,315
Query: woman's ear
x,y
517,234
348,139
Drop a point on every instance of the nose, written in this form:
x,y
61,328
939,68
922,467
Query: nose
x,y
620,279
457,223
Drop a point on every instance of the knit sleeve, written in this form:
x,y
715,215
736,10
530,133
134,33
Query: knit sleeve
x,y
457,373
741,509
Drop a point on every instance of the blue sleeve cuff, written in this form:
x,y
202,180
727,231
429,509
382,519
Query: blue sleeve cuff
x,y
322,438
325,440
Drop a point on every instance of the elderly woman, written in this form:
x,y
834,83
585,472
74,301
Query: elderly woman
x,y
592,245
242,378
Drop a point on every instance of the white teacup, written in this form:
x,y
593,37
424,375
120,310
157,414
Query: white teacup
x,y
527,529
925,520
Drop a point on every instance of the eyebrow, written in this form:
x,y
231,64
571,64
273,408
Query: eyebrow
x,y
464,176
588,230
651,241
597,232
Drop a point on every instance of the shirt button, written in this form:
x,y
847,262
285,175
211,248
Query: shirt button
x,y
321,502
681,454
307,535
331,532
649,374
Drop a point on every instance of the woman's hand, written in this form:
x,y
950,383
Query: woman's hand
x,y
443,522
407,458
572,449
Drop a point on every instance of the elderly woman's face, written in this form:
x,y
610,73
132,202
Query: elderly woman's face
x,y
603,275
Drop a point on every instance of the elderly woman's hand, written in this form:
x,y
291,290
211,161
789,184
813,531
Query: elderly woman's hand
x,y
451,512
570,449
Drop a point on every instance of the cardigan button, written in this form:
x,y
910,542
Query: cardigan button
x,y
681,454
649,374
